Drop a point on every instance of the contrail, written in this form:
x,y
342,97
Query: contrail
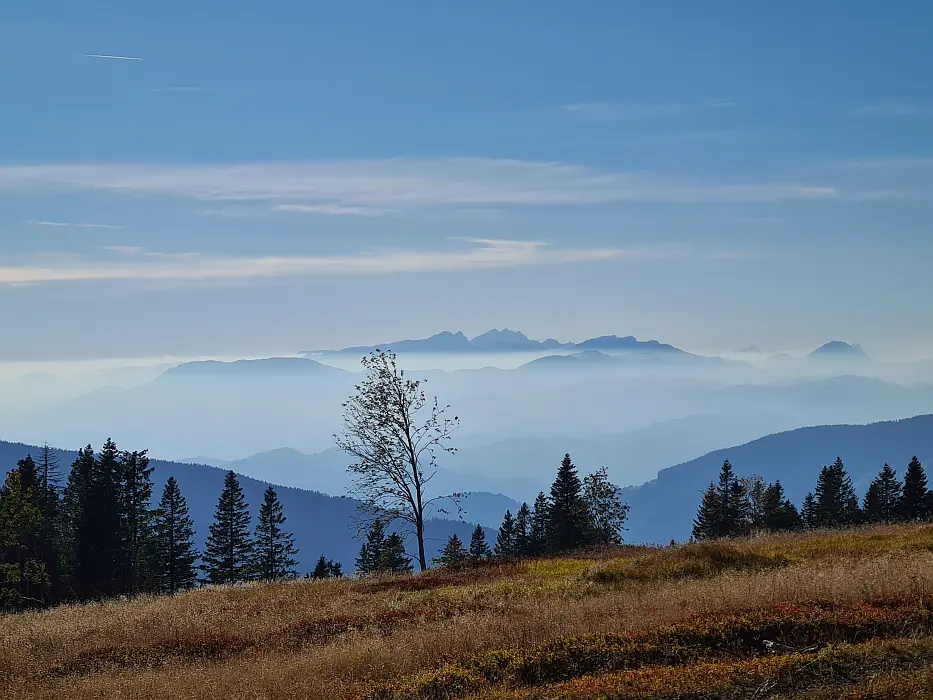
x,y
115,58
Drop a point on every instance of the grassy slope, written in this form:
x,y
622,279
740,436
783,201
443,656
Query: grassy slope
x,y
850,615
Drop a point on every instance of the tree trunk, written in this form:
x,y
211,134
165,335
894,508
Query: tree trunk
x,y
419,531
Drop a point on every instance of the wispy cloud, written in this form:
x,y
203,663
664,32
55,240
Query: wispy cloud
x,y
893,109
478,254
66,224
637,111
335,210
111,57
123,249
399,183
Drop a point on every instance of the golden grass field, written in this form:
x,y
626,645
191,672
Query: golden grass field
x,y
845,614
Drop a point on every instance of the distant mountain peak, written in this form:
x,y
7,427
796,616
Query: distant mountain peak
x,y
838,349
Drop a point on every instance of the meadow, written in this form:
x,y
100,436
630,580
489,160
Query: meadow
x,y
823,614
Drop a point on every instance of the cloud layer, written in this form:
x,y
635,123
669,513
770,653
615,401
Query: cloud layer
x,y
371,187
136,264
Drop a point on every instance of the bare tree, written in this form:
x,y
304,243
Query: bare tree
x,y
394,434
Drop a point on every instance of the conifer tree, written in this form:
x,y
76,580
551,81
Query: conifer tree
x,y
568,521
73,538
605,510
707,523
540,517
523,531
808,513
505,539
836,502
136,519
274,548
23,578
917,502
326,568
453,553
174,540
479,548
229,548
372,549
777,513
757,494
394,560
882,502
49,492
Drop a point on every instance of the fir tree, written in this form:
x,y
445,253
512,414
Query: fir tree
x,y
326,568
372,549
453,553
229,549
73,540
273,548
777,513
479,548
916,498
568,517
836,502
136,516
540,517
174,541
605,510
23,578
49,492
757,495
808,513
882,502
523,531
707,523
505,539
394,560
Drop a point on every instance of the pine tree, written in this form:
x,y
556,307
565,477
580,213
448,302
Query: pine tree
x,y
274,548
73,537
372,549
917,502
479,548
229,549
326,568
505,539
569,517
540,517
453,553
808,513
394,560
757,495
174,541
707,524
836,502
882,502
49,475
23,578
777,513
606,513
136,518
523,531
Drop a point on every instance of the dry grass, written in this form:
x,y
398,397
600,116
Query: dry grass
x,y
333,639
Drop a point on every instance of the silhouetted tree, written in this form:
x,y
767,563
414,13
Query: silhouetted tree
x,y
882,502
136,524
836,501
23,578
725,509
808,512
394,560
505,538
174,541
49,493
453,553
777,512
540,516
479,548
568,520
326,568
917,502
368,561
394,434
523,531
606,511
273,549
228,554
708,522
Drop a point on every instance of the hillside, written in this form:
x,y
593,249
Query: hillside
x,y
663,509
322,524
822,615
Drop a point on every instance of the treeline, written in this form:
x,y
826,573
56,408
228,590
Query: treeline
x,y
576,514
99,536
736,506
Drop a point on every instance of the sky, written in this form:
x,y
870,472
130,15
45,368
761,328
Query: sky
x,y
246,178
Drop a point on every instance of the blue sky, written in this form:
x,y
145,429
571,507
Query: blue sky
x,y
269,177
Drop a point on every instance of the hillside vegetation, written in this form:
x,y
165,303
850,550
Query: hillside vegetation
x,y
824,614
